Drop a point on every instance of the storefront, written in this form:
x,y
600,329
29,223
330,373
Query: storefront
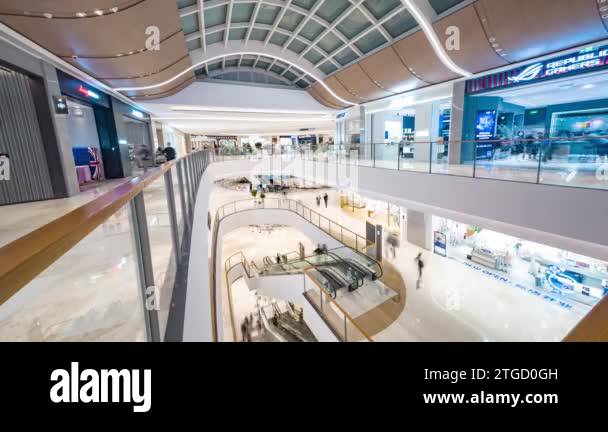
x,y
407,136
109,138
559,276
97,152
134,132
30,146
554,111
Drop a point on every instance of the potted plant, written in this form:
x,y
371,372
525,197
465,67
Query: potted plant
x,y
262,197
258,146
254,194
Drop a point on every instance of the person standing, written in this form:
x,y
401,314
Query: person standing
x,y
326,199
418,259
318,201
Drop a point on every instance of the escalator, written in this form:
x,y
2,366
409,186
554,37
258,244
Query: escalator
x,y
358,266
333,283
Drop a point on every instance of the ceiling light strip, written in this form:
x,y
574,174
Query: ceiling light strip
x,y
428,30
203,62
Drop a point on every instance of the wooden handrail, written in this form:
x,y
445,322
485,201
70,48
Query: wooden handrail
x,y
25,258
593,327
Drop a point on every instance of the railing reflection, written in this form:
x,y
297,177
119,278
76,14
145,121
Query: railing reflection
x,y
563,161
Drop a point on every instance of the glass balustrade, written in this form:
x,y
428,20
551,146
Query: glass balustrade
x,y
115,282
573,162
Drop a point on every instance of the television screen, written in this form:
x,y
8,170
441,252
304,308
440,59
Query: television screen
x,y
485,125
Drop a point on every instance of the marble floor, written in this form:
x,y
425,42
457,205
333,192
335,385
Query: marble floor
x,y
19,219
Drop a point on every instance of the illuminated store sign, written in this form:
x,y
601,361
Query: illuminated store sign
x,y
88,93
573,64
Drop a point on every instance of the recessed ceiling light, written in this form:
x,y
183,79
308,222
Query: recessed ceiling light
x,y
114,9
566,86
98,12
48,15
588,86
81,14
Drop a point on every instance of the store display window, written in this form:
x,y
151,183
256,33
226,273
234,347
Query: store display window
x,y
570,279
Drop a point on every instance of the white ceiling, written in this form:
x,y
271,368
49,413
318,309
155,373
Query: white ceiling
x,y
232,109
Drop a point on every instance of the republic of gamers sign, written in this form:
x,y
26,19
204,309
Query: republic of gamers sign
x,y
588,59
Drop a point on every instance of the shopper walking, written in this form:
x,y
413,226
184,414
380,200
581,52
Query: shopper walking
x,y
243,332
318,201
326,199
418,259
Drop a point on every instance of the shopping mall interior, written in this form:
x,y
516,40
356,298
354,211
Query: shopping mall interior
x,y
303,170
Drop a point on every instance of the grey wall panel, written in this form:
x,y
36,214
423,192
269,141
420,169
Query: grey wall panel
x,y
21,139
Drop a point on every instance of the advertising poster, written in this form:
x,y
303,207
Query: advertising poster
x,y
440,244
485,125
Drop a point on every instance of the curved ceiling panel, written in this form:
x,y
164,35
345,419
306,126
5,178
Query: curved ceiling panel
x,y
164,91
102,36
110,45
532,28
340,90
67,8
358,82
324,97
396,78
476,53
417,53
153,79
136,65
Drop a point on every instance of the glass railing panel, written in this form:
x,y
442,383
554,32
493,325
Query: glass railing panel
x,y
365,156
575,163
452,164
323,302
161,247
415,156
386,155
177,192
349,238
507,160
360,260
90,294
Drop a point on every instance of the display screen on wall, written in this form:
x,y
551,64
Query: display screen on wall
x,y
485,125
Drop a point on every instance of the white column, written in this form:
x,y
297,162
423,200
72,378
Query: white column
x,y
420,229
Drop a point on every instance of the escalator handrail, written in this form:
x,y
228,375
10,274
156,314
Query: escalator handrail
x,y
365,257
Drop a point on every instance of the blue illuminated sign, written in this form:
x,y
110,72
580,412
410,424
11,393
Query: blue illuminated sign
x,y
588,59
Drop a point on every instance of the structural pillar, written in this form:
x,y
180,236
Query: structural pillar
x,y
420,229
457,115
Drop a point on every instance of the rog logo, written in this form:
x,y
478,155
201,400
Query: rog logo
x,y
529,73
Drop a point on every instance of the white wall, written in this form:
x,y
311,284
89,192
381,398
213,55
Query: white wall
x,y
246,96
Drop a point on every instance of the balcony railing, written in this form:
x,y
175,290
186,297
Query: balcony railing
x,y
573,162
107,270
